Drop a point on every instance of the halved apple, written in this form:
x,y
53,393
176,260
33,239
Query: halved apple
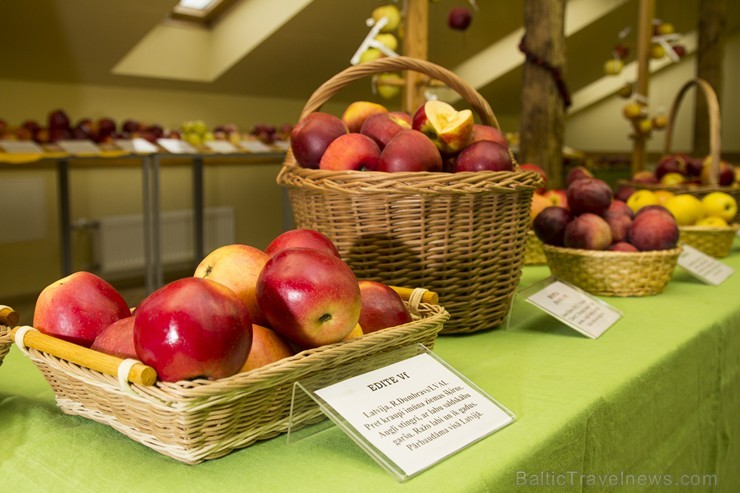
x,y
449,129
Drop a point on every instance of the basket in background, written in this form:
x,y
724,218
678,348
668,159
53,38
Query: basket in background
x,y
715,241
462,235
534,253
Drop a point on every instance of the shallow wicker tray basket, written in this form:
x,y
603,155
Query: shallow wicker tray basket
x,y
712,240
8,319
462,235
198,420
607,273
534,254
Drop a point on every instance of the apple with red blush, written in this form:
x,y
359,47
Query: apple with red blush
x,y
117,339
669,164
577,173
382,307
384,126
484,155
623,246
301,238
312,135
357,112
549,225
621,207
267,348
449,129
587,231
589,195
353,151
488,132
653,228
410,150
557,197
645,176
619,223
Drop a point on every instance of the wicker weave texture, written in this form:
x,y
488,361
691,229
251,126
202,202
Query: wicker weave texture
x,y
607,273
462,235
534,254
714,241
5,342
194,421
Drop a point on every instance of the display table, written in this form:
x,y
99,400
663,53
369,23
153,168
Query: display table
x,y
654,401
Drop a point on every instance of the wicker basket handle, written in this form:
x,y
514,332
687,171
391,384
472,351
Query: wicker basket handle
x,y
714,124
387,64
8,316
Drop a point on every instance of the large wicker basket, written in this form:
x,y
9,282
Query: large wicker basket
x,y
462,235
715,122
193,421
715,241
8,319
608,273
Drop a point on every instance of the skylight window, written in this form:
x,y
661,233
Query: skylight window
x,y
201,11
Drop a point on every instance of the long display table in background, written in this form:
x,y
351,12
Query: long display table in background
x,y
653,403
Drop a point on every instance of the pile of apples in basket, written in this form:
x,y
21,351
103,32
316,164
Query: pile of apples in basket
x,y
243,308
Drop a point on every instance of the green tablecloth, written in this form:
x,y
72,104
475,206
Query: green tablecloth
x,y
655,399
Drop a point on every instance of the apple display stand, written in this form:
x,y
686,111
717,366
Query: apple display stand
x,y
408,413
523,315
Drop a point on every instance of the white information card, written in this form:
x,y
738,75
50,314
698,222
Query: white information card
x,y
20,147
177,146
78,146
136,146
415,412
704,267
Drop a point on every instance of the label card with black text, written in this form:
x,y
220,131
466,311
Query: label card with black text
x,y
704,267
574,307
411,414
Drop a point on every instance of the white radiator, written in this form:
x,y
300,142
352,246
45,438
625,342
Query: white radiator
x,y
118,244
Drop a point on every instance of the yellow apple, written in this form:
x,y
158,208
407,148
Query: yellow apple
x,y
613,66
720,204
641,198
663,196
672,179
686,208
632,110
713,221
391,13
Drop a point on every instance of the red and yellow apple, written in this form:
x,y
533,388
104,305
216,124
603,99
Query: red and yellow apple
x,y
410,150
382,307
353,151
267,347
484,155
587,231
312,135
301,238
384,126
653,228
358,111
117,339
449,129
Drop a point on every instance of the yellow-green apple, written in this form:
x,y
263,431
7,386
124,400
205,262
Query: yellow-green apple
x,y
384,126
539,202
549,225
117,339
267,347
613,66
576,173
459,18
557,196
484,155
237,267
672,179
642,198
301,238
353,151
193,328
309,296
78,307
312,135
382,307
371,54
719,204
388,40
540,171
449,129
356,332
391,13
388,84
587,231
487,132
589,195
622,246
653,228
619,223
358,111
410,150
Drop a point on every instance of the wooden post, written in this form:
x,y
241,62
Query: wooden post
x,y
543,112
415,44
709,55
644,42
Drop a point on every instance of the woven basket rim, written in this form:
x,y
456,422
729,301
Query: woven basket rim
x,y
580,252
710,229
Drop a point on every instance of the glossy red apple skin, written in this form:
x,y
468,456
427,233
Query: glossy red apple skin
x,y
237,267
621,207
484,155
410,150
302,238
78,307
549,225
267,347
353,151
192,328
382,127
588,231
309,297
589,195
382,307
312,135
117,339
487,132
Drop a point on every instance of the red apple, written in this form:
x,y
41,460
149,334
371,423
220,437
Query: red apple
x,y
382,307
588,231
589,195
484,155
623,246
621,207
623,192
549,225
459,18
449,129
487,132
383,127
403,116
117,339
693,166
644,176
542,173
312,135
557,196
654,228
577,173
193,328
357,112
619,223
301,238
267,347
410,150
58,120
670,164
78,307
352,151
236,267
309,296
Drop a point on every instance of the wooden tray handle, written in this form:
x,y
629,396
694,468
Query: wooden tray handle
x,y
8,316
429,297
715,123
95,360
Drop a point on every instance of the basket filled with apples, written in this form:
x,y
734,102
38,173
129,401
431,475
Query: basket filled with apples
x,y
542,198
8,319
606,246
433,199
681,173
206,365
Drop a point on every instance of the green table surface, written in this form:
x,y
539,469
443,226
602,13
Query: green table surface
x,y
656,399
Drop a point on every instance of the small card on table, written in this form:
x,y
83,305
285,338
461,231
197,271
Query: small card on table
x,y
704,267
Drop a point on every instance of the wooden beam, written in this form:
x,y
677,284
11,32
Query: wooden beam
x,y
646,13
415,44
709,56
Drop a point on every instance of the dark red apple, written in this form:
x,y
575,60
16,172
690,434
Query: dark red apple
x,y
669,164
312,135
78,307
588,231
484,155
58,120
653,228
131,126
117,339
382,307
309,296
382,127
459,18
193,328
589,195
410,150
549,225
623,192
353,151
301,238
577,173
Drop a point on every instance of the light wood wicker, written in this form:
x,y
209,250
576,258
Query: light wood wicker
x,y
8,319
534,254
607,273
194,421
715,122
462,235
712,240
